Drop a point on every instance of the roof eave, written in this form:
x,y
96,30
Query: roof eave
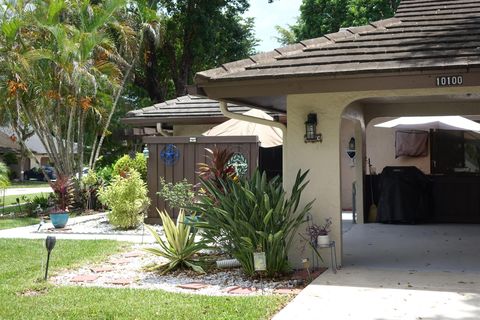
x,y
225,89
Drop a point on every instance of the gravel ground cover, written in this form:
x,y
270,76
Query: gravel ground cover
x,y
96,224
129,270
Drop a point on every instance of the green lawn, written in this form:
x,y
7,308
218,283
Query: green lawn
x,y
25,296
14,209
17,222
12,199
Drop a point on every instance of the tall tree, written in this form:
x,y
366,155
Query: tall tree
x,y
198,34
319,17
60,67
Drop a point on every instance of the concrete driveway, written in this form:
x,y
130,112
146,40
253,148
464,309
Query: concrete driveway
x,y
398,272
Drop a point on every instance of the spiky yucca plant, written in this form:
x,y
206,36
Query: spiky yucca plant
x,y
255,214
179,247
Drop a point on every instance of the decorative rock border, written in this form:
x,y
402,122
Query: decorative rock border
x,y
127,270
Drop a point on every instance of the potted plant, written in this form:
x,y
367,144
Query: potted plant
x,y
63,198
319,234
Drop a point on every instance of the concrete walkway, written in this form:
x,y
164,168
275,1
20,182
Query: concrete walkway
x,y
29,232
398,272
20,191
364,294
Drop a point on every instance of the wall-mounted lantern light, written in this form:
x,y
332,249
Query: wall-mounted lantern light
x,y
146,152
351,151
311,134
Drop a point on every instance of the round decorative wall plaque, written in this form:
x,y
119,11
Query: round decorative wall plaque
x,y
170,154
239,163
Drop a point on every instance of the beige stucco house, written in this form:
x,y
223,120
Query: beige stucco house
x,y
424,61
9,144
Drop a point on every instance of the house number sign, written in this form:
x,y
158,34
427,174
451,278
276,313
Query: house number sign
x,y
449,81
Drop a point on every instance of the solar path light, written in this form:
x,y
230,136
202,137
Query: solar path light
x,y
49,244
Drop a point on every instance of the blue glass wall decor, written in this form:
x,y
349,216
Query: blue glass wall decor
x,y
169,154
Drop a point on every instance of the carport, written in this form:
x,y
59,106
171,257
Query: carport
x,y
424,61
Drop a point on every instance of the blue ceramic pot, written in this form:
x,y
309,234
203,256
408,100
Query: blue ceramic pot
x,y
59,219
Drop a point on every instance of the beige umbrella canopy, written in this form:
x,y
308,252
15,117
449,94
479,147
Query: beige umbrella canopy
x,y
268,136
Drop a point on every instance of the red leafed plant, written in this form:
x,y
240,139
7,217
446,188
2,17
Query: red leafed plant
x,y
218,167
63,190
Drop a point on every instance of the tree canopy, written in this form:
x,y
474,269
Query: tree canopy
x,y
69,68
197,35
63,68
320,17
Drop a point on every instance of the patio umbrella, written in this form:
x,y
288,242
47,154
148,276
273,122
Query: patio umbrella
x,y
427,123
268,136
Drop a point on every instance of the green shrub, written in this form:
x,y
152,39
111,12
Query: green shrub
x,y
4,181
105,174
252,215
178,195
10,158
180,246
38,205
127,197
126,163
91,182
90,179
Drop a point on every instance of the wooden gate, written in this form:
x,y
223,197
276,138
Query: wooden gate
x,y
176,158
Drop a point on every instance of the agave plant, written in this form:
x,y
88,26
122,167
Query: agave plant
x,y
180,246
255,215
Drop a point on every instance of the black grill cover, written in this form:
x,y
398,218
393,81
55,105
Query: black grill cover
x,y
404,194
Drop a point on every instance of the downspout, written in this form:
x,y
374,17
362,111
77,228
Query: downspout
x,y
227,113
161,131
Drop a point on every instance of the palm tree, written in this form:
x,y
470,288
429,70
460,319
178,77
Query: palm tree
x,y
59,72
66,64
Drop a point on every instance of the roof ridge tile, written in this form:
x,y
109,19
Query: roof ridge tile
x,y
385,23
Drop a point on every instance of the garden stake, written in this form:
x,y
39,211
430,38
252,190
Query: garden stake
x,y
143,226
42,222
19,207
3,204
49,244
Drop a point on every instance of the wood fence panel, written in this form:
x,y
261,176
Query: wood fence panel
x,y
191,151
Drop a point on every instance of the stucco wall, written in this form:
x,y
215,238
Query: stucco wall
x,y
381,149
323,158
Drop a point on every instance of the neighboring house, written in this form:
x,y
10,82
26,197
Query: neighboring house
x,y
424,61
9,145
183,116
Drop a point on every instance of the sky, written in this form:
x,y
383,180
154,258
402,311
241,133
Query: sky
x,y
268,15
